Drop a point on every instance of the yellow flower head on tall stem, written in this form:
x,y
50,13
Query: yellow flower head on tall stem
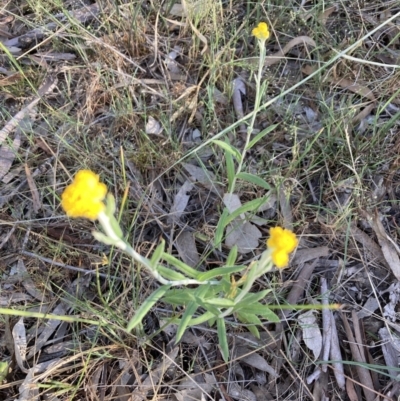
x,y
281,242
84,196
261,31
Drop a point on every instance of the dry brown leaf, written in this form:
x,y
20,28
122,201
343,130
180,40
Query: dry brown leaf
x,y
374,251
36,204
7,155
29,389
243,234
300,40
311,333
323,18
391,353
236,392
155,375
370,306
20,344
358,356
49,328
14,298
202,176
10,79
195,387
186,246
232,202
255,360
351,391
388,249
153,127
306,254
286,210
48,85
326,323
239,89
336,355
352,87
180,202
28,283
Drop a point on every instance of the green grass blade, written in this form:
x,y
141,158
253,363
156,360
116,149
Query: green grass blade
x,y
261,135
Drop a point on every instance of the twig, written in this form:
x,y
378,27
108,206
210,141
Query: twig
x,y
69,267
47,87
363,373
326,323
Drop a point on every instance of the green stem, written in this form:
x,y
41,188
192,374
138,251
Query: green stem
x,y
105,222
257,103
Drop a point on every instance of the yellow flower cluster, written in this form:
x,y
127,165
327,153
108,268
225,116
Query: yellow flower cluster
x,y
84,197
261,31
281,242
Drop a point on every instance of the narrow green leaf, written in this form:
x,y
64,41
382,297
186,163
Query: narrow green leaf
x,y
251,318
157,254
220,271
254,179
260,135
261,310
103,238
170,274
3,371
191,308
209,308
201,319
219,232
229,148
146,306
187,316
222,339
252,298
220,302
110,205
230,170
231,259
251,206
252,328
179,297
183,267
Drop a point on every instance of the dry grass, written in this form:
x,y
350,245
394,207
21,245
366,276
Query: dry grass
x,y
332,161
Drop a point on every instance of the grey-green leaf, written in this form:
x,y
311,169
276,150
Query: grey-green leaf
x,y
254,179
146,306
222,339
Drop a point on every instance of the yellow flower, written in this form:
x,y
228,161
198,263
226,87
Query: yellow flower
x,y
281,242
261,31
84,197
